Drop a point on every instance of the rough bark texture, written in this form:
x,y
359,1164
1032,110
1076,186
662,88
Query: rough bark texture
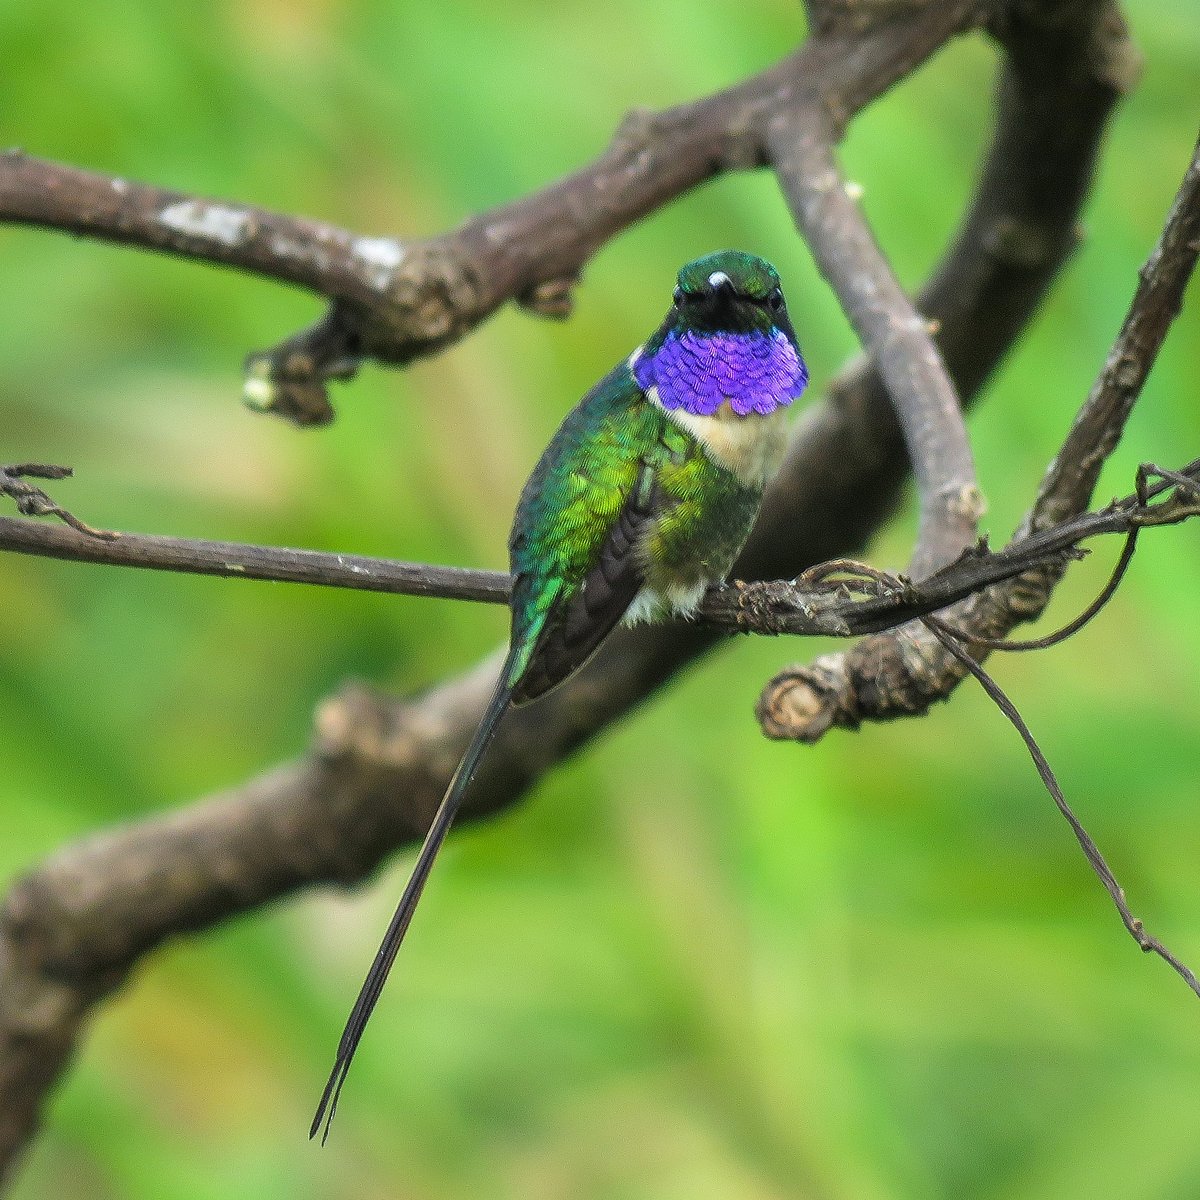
x,y
1066,66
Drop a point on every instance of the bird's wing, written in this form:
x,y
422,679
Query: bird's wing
x,y
579,528
584,613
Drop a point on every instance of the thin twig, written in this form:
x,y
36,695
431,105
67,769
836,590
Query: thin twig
x,y
33,501
1162,281
1064,632
1181,479
1137,930
827,599
240,560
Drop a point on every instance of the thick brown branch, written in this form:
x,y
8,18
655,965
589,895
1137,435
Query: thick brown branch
x,y
804,701
395,300
1060,80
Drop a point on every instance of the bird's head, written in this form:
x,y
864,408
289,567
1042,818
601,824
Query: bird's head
x,y
729,291
727,340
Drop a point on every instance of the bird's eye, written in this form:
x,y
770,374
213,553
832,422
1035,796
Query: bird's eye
x,y
678,296
775,300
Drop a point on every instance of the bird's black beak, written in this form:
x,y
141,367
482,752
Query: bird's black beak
x,y
721,287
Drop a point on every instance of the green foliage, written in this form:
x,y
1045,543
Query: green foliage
x,y
694,964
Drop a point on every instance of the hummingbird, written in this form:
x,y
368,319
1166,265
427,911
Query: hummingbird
x,y
638,505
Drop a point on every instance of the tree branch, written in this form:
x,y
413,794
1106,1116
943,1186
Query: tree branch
x,y
800,139
397,299
824,602
237,560
907,677
71,930
1059,76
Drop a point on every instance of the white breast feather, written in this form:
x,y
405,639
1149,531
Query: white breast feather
x,y
752,447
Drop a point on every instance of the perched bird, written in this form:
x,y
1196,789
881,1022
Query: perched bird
x,y
641,501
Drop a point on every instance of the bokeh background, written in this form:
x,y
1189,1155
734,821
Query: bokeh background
x,y
693,964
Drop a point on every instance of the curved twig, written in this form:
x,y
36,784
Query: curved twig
x,y
33,501
1148,943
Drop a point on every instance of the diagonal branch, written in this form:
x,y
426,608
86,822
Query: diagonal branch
x,y
800,140
1057,75
397,299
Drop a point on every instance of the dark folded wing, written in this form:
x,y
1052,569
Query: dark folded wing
x,y
582,616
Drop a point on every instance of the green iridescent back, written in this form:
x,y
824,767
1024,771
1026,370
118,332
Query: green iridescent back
x,y
613,445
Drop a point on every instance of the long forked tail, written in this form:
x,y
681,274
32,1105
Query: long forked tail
x,y
373,985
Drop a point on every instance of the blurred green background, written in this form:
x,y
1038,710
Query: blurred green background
x,y
693,964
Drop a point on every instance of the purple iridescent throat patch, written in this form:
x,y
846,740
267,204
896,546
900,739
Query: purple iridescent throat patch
x,y
697,372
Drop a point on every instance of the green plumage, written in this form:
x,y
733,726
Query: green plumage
x,y
613,445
